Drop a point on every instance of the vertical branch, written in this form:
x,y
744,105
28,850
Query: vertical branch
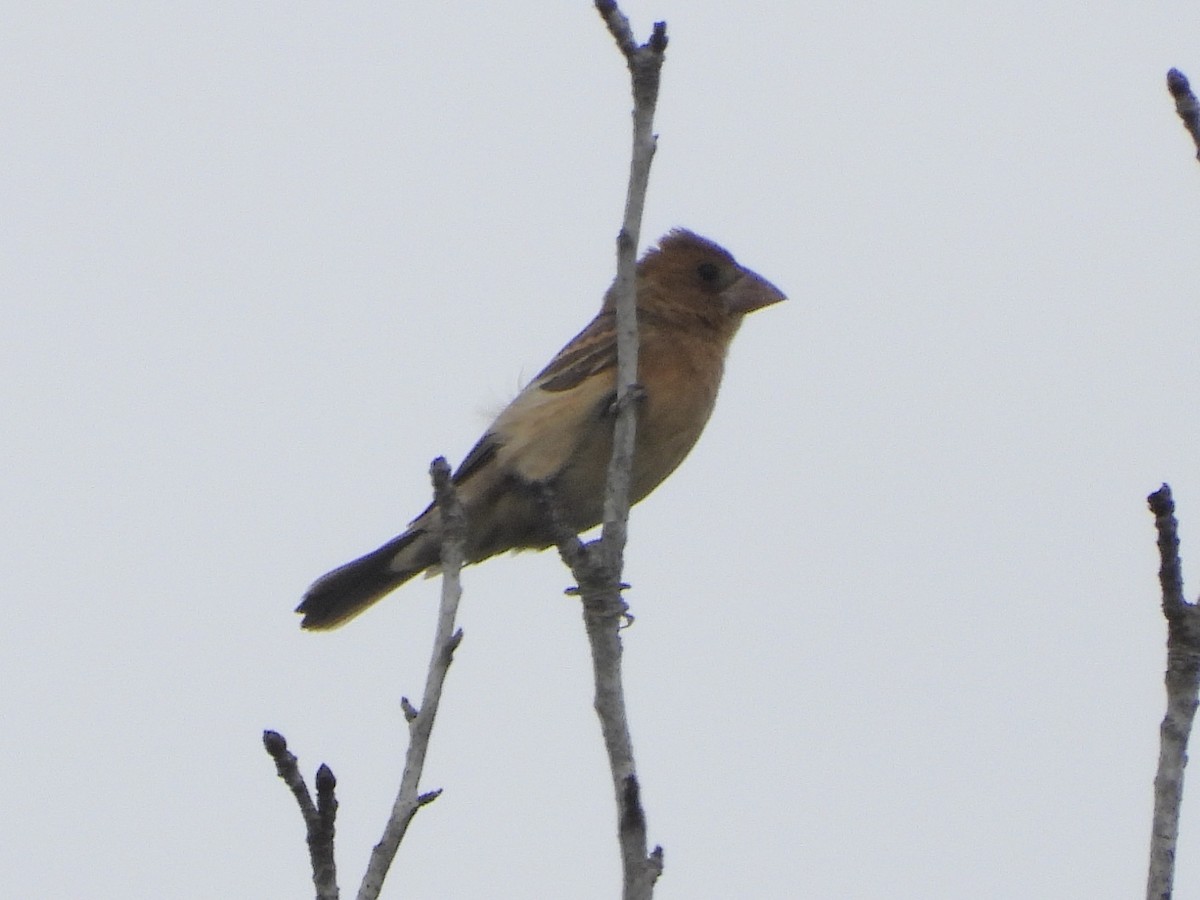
x,y
602,613
1183,688
420,722
645,63
598,566
1183,631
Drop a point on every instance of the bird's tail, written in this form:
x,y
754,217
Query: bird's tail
x,y
342,594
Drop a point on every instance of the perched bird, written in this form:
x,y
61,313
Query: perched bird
x,y
691,297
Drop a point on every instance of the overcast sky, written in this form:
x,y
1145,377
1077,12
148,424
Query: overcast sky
x,y
897,615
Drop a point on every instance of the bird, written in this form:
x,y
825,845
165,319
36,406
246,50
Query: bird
x,y
556,434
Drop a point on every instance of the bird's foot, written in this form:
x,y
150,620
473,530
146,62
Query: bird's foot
x,y
636,394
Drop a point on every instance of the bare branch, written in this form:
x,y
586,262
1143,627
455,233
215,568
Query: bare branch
x,y
1185,104
645,65
602,619
603,612
597,566
420,722
1170,571
318,818
1183,689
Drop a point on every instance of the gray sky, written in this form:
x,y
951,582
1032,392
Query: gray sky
x,y
897,615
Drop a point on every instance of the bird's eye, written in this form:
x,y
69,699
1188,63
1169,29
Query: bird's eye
x,y
708,272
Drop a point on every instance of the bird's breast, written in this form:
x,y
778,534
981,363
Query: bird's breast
x,y
680,392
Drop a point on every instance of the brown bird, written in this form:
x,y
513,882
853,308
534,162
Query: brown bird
x,y
691,297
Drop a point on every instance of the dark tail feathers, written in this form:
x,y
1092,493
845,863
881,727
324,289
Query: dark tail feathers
x,y
346,591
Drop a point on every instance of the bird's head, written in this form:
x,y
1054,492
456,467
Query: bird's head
x,y
690,275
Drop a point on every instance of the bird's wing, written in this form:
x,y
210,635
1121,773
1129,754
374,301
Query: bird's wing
x,y
536,435
592,351
481,454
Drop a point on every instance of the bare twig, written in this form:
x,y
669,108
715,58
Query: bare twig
x,y
645,63
1185,104
597,566
1183,689
318,818
603,613
420,722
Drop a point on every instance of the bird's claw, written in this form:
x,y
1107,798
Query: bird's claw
x,y
635,394
575,591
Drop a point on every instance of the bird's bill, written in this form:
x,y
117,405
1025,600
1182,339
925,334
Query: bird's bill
x,y
750,292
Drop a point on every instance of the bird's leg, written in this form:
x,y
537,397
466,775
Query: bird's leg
x,y
584,560
570,548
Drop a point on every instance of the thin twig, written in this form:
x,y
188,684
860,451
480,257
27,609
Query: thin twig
x,y
1183,689
420,722
1185,104
645,65
318,818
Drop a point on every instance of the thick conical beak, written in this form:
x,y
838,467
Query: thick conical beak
x,y
750,292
